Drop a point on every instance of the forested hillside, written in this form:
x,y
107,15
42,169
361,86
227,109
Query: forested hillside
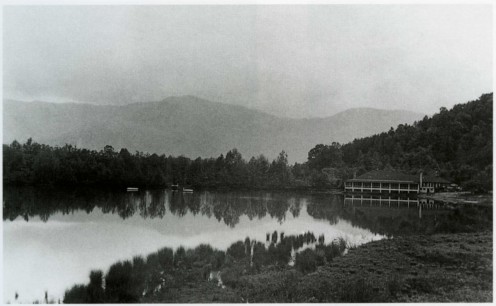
x,y
189,126
455,144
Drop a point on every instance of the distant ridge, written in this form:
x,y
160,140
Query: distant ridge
x,y
189,126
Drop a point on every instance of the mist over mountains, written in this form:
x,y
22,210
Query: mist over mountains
x,y
189,126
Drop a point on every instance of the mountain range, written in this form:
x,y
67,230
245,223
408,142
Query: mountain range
x,y
189,126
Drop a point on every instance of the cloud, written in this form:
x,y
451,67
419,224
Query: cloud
x,y
293,61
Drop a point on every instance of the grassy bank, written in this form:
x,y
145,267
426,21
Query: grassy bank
x,y
437,268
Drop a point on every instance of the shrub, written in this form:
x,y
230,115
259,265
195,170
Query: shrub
x,y
237,250
179,256
78,294
394,284
356,291
217,259
283,253
230,276
274,237
306,261
139,275
247,245
95,287
259,255
320,257
321,239
119,284
166,258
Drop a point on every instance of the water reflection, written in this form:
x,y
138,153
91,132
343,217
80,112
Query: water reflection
x,y
388,215
69,233
382,214
387,200
226,206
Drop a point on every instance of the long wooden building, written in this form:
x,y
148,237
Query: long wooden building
x,y
382,181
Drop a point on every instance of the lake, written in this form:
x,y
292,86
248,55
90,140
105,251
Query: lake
x,y
53,238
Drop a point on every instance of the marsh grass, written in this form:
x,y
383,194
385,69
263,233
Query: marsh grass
x,y
168,271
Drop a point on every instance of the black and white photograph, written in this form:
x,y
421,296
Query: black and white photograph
x,y
247,152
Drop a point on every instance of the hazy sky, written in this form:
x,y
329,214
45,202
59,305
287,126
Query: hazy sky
x,y
296,61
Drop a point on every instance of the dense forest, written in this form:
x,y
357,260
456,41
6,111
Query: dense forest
x,y
34,163
455,144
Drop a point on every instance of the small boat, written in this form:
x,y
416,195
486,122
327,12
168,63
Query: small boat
x,y
187,190
132,189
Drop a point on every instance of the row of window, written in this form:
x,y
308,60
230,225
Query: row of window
x,y
386,185
431,184
381,185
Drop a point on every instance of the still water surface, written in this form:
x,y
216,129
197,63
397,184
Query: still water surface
x,y
53,239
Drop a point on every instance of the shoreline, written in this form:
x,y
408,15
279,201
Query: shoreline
x,y
463,197
460,198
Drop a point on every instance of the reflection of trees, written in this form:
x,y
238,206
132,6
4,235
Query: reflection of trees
x,y
158,202
325,207
177,205
229,207
405,220
193,202
228,212
398,220
224,206
277,208
128,207
392,221
205,208
295,206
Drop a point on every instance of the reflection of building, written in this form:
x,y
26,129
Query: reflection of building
x,y
388,201
381,202
381,181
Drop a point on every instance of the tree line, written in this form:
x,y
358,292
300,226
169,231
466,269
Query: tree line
x,y
455,144
32,163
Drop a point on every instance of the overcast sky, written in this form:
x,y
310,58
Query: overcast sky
x,y
295,61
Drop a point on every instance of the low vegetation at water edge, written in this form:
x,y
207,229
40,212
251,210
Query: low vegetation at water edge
x,y
167,272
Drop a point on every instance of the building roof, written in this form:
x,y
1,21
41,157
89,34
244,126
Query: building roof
x,y
395,176
434,179
385,176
